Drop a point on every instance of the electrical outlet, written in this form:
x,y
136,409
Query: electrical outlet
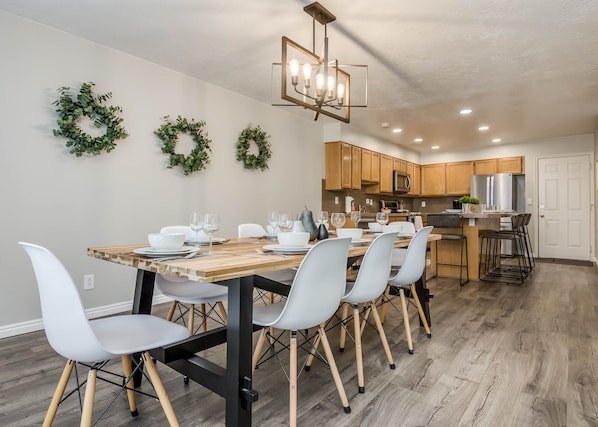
x,y
423,204
336,200
88,282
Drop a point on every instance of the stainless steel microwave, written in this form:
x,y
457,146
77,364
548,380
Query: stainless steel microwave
x,y
401,182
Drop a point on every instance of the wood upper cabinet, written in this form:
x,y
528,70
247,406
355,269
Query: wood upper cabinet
x,y
343,166
458,178
355,168
514,165
370,166
485,167
399,165
386,174
433,179
414,170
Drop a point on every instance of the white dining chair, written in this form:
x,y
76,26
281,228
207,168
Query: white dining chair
x,y
366,289
313,298
96,341
191,297
250,230
398,254
412,269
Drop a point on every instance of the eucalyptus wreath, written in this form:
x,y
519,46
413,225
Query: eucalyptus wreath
x,y
261,138
198,158
92,106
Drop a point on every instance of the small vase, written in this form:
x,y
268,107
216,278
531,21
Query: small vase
x,y
322,232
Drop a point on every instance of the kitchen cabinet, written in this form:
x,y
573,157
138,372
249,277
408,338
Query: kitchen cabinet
x,y
370,166
433,179
485,167
514,165
458,178
343,166
386,177
414,170
399,165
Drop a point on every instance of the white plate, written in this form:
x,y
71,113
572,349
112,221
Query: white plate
x,y
287,249
454,210
360,241
215,241
151,252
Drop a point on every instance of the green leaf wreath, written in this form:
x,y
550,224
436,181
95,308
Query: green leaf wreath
x,y
198,158
92,106
261,138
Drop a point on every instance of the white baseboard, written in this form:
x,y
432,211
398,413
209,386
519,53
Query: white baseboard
x,y
93,313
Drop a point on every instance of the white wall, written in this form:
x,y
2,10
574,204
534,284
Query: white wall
x,y
67,203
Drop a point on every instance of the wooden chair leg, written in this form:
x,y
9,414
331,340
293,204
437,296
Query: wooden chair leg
x,y
126,362
293,380
171,311
258,349
420,310
204,318
90,390
344,315
385,300
58,393
358,349
406,320
223,311
191,322
333,369
160,391
382,335
312,353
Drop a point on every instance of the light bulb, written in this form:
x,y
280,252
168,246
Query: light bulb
x,y
294,70
340,93
330,86
307,75
319,84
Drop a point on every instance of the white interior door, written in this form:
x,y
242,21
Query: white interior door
x,y
564,207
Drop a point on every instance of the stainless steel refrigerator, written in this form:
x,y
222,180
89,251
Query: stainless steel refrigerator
x,y
503,190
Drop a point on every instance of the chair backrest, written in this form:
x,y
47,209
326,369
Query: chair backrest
x,y
66,325
374,269
444,220
250,230
415,259
401,227
318,286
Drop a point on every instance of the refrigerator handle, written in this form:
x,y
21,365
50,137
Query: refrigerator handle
x,y
487,201
491,190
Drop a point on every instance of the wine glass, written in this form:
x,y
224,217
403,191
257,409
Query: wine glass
x,y
355,217
338,219
382,218
210,223
285,222
196,224
273,218
323,217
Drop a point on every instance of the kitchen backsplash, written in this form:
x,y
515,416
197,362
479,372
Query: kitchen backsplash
x,y
413,204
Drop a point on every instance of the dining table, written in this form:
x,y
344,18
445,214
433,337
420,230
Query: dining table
x,y
236,264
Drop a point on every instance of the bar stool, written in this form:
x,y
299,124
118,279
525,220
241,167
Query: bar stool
x,y
451,221
510,269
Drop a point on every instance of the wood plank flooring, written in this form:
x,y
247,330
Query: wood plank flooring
x,y
499,356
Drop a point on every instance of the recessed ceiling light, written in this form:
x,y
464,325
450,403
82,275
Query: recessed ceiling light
x,y
483,128
397,130
466,111
435,147
384,124
418,140
495,140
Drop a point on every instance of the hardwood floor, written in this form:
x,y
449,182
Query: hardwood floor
x,y
499,356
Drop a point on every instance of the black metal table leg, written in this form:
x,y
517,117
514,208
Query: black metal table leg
x,y
424,296
142,304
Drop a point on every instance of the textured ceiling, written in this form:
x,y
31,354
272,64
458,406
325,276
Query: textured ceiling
x,y
528,69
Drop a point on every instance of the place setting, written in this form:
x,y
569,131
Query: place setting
x,y
289,242
165,246
204,226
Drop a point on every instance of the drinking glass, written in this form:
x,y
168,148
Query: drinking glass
x,y
196,219
382,218
210,224
285,222
323,217
338,219
273,217
355,217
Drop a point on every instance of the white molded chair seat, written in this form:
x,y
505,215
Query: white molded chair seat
x,y
412,269
192,293
95,341
314,297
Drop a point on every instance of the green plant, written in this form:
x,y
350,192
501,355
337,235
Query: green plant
x,y
470,200
91,106
260,137
198,158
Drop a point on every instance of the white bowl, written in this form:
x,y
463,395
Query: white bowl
x,y
353,233
374,226
166,241
293,239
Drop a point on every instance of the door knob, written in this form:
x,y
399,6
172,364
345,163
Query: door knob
x,y
541,215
